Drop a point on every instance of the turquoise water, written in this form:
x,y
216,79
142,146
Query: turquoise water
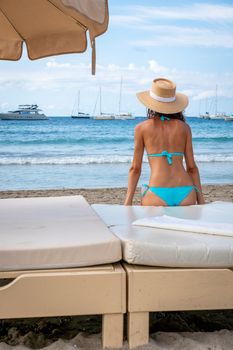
x,y
70,153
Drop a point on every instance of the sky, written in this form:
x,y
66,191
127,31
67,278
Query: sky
x,y
188,42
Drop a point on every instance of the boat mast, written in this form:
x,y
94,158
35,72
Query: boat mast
x,y
206,104
97,99
78,101
120,96
76,104
216,100
199,108
100,102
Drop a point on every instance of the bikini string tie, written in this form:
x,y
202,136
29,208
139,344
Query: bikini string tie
x,y
163,118
168,155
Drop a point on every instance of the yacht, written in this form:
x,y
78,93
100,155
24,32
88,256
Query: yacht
x,y
101,115
205,115
104,116
217,116
229,118
24,112
122,115
76,114
80,115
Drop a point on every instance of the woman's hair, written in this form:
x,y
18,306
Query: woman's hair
x,y
152,114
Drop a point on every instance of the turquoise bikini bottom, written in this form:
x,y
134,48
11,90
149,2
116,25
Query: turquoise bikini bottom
x,y
172,196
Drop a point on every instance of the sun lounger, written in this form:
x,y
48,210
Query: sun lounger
x,y
170,270
58,258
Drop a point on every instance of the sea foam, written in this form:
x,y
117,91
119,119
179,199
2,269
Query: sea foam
x,y
101,159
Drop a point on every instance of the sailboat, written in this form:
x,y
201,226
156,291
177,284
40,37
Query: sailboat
x,y
101,115
217,115
205,115
76,114
123,115
228,118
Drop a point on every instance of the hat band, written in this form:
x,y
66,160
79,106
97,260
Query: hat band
x,y
162,99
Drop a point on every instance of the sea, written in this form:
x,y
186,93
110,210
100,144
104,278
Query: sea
x,y
62,153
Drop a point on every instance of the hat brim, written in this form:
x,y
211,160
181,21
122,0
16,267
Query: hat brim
x,y
180,103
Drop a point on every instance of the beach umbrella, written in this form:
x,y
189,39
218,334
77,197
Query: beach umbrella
x,y
50,27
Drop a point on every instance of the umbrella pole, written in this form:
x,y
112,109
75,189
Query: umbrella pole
x,y
93,60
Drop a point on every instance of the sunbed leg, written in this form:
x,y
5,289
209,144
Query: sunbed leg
x,y
138,328
112,330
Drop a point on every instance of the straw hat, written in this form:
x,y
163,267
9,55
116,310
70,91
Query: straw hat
x,y
163,98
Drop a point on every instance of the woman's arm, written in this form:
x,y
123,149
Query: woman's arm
x,y
192,168
135,169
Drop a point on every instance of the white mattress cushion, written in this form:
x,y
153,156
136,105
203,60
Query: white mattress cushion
x,y
54,232
167,247
187,225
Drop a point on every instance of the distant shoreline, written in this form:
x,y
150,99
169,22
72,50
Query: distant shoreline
x,y
116,195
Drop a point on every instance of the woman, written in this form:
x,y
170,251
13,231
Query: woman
x,y
166,138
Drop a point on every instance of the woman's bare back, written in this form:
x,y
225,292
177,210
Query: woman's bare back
x,y
171,136
167,140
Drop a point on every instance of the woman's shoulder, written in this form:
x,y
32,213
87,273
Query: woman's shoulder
x,y
147,124
182,124
186,126
143,125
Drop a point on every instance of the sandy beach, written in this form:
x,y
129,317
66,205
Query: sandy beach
x,y
116,195
168,330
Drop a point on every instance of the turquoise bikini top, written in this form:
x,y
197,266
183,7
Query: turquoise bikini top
x,y
165,153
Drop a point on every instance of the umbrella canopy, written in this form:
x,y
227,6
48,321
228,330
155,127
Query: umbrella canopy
x,y
50,27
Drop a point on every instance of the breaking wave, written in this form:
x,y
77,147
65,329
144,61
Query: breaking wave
x,y
99,159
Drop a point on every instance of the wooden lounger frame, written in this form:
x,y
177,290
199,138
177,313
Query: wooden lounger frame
x,y
151,289
102,290
61,292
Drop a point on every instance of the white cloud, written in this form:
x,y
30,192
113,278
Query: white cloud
x,y
187,92
184,36
131,66
51,107
135,77
204,95
125,20
4,105
113,67
54,64
55,82
223,91
199,11
156,68
212,28
195,12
